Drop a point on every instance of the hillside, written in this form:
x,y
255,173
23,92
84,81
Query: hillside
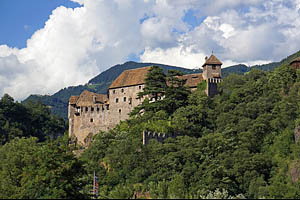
x,y
58,102
242,143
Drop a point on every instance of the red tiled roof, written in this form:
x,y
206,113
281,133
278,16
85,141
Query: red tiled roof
x,y
192,80
212,60
73,99
88,98
130,77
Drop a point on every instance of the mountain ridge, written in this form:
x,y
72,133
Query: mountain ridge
x,y
58,102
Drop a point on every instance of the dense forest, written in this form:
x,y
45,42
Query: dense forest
x,y
238,144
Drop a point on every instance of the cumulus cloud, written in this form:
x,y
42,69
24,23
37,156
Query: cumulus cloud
x,y
77,44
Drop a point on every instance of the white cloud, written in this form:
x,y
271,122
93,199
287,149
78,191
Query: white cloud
x,y
77,44
177,56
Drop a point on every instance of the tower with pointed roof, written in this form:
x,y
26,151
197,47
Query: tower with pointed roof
x,y
212,74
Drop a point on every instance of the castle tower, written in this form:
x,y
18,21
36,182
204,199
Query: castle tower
x,y
212,74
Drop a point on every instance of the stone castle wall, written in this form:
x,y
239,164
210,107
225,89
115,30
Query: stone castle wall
x,y
122,101
210,70
88,120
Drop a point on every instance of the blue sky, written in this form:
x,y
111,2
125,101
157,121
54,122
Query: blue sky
x,y
19,19
46,45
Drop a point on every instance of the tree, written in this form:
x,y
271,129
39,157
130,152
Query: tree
x,y
39,170
155,83
177,93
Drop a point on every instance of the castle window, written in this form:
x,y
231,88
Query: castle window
x,y
92,120
140,87
86,109
119,111
92,109
107,107
130,100
122,90
117,100
124,99
98,109
114,91
102,108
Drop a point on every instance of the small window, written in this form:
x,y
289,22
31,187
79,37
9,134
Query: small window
x,y
214,67
114,91
98,109
92,120
102,108
124,99
107,107
117,100
92,109
130,100
140,87
86,109
122,90
119,111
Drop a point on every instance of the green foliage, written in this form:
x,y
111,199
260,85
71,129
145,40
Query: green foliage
x,y
241,141
34,170
155,83
32,119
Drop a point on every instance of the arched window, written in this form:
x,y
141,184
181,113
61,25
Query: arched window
x,y
124,99
117,100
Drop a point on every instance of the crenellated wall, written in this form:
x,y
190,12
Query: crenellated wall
x,y
160,137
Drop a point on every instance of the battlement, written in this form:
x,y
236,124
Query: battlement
x,y
160,137
214,80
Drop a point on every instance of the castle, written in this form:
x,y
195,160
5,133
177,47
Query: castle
x,y
90,112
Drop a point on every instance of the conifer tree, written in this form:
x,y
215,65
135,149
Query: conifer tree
x,y
155,83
